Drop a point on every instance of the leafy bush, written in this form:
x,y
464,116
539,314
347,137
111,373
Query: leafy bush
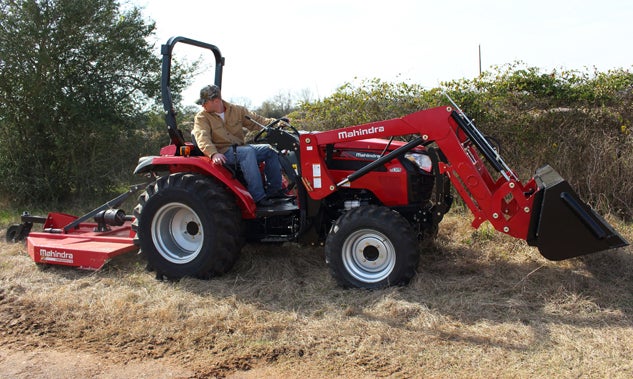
x,y
371,100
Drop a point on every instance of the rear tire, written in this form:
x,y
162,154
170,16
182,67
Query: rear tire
x,y
371,247
188,225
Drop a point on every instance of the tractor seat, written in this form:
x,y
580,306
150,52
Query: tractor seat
x,y
195,150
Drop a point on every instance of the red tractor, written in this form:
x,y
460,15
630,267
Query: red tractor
x,y
368,197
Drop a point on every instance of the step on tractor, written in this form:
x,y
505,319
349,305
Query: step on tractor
x,y
369,193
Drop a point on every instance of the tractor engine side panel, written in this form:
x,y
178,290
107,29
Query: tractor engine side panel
x,y
397,183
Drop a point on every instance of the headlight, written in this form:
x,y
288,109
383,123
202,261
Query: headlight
x,y
421,160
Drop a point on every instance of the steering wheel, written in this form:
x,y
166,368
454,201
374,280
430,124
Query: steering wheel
x,y
267,128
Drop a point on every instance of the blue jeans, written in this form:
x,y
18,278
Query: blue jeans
x,y
249,157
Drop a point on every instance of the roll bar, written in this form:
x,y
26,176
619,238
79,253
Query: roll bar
x,y
168,106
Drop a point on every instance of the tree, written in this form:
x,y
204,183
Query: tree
x,y
75,80
280,105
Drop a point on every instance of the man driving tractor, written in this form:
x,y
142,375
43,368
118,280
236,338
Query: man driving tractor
x,y
218,131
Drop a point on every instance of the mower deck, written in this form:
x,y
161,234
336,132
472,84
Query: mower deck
x,y
83,248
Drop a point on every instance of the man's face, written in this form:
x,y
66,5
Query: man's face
x,y
214,105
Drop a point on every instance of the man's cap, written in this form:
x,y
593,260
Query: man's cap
x,y
208,93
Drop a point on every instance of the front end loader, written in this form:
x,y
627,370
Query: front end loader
x,y
364,193
545,211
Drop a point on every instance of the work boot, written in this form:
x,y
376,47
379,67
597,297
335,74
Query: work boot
x,y
281,195
265,202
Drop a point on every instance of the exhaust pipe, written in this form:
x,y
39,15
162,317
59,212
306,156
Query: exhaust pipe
x,y
563,226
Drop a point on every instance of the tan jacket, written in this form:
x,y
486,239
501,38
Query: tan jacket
x,y
214,135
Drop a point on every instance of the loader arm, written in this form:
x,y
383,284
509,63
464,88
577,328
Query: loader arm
x,y
512,207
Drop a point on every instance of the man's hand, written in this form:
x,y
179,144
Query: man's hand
x,y
218,158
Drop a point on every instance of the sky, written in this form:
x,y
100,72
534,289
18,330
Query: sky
x,y
295,47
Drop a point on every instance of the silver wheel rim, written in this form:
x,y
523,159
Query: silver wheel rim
x,y
368,255
177,233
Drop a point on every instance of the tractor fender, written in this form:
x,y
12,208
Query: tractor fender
x,y
145,165
201,165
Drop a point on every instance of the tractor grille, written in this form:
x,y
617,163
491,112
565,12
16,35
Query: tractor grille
x,y
420,183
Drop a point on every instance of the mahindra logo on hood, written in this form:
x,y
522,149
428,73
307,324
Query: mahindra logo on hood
x,y
360,132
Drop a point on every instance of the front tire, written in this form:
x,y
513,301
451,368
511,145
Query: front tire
x,y
188,225
371,247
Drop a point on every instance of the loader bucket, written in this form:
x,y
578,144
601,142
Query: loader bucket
x,y
563,226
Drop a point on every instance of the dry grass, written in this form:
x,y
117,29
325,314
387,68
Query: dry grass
x,y
482,305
